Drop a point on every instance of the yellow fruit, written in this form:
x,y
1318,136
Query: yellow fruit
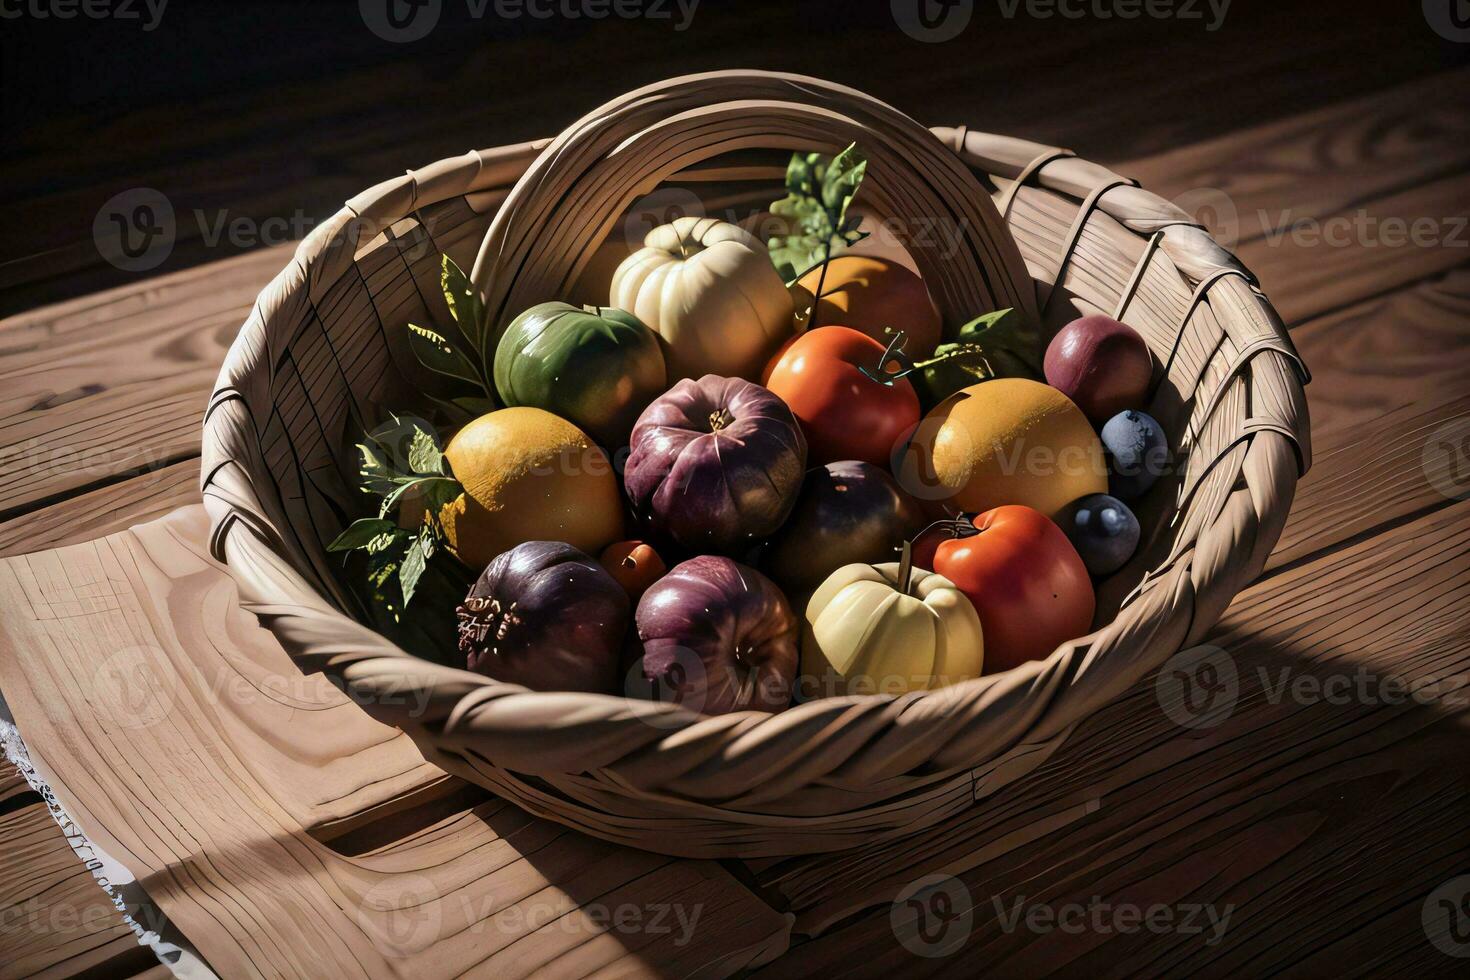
x,y
1007,441
528,475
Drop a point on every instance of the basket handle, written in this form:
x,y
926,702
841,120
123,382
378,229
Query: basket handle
x,y
569,200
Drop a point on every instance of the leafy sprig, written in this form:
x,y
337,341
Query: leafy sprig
x,y
819,191
463,352
401,462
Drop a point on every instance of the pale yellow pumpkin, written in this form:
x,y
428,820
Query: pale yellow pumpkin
x,y
708,288
864,634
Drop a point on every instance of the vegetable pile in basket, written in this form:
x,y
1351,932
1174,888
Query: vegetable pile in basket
x,y
764,472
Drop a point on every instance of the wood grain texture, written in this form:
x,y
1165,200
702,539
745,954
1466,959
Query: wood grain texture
x,y
1367,327
54,920
1288,808
277,147
168,740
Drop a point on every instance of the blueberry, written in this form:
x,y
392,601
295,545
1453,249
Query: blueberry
x,y
1103,530
1138,453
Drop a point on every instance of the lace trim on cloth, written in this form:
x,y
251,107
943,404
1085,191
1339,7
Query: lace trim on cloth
x,y
141,915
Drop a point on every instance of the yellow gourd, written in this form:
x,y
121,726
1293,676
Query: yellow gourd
x,y
888,629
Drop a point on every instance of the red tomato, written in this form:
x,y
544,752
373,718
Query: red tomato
x,y
1027,583
844,413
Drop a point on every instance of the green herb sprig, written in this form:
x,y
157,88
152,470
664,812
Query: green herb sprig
x,y
819,191
399,462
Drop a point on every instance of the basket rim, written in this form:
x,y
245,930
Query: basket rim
x,y
467,710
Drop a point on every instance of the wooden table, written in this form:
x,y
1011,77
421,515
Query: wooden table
x,y
1319,815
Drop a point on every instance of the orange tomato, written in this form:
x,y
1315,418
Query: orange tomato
x,y
1026,581
633,565
844,413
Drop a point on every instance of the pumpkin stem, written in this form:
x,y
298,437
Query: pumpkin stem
x,y
719,419
906,569
893,353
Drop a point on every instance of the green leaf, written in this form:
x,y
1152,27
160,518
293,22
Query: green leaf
x,y
437,354
414,563
433,487
362,533
818,193
424,455
465,306
841,181
997,345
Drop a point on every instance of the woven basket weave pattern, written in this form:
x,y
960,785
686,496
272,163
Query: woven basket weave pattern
x,y
323,354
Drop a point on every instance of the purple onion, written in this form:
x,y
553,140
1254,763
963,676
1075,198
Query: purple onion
x,y
715,464
716,636
546,616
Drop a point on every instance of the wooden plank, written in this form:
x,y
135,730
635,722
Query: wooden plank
x,y
299,146
101,386
1321,162
54,920
174,729
1294,808
90,515
115,383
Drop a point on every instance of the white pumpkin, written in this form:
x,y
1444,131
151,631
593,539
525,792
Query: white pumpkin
x,y
709,289
864,634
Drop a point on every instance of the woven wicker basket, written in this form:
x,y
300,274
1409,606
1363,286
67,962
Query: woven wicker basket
x,y
1039,229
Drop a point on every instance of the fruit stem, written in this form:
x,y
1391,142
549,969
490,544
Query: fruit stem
x,y
893,352
906,569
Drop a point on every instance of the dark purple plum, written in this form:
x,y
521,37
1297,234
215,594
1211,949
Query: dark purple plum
x,y
715,636
715,464
1103,530
1137,451
848,512
546,616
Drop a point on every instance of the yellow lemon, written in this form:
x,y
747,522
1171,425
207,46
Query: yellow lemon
x,y
1007,441
528,475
